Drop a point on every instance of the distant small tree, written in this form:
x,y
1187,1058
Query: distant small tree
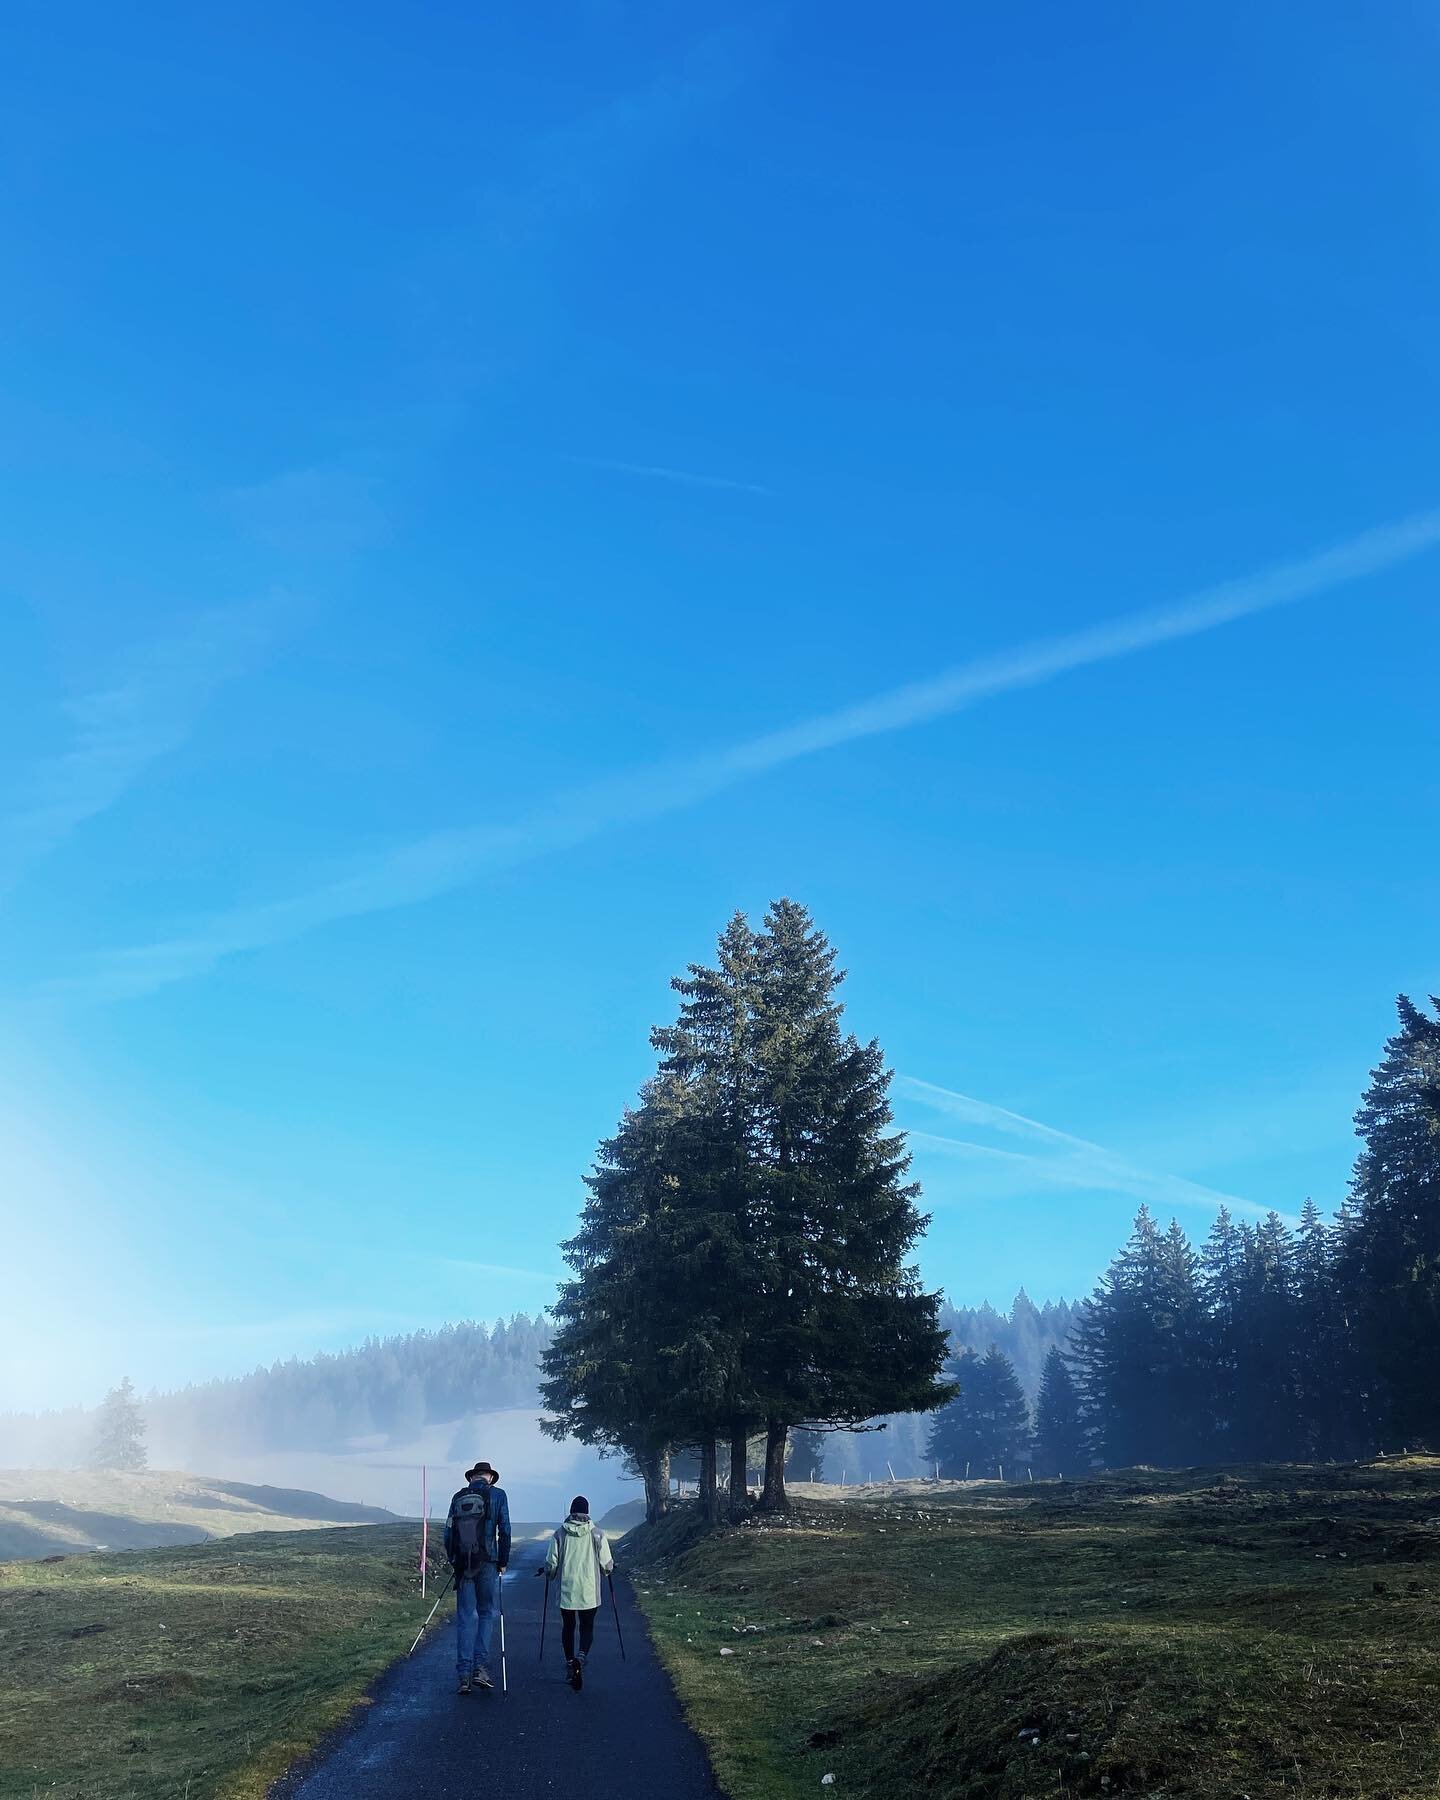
x,y
1059,1421
120,1431
952,1443
986,1427
1389,1250
807,1455
1141,1353
1329,1379
1268,1415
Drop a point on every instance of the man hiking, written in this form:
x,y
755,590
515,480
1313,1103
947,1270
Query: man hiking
x,y
477,1543
578,1556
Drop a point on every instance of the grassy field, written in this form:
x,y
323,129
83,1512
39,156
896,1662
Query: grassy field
x,y
199,1671
1235,1635
44,1511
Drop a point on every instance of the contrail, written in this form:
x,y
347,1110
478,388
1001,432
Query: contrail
x,y
1069,1161
445,860
658,472
144,712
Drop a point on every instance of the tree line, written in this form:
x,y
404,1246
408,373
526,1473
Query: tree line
x,y
393,1386
1265,1343
743,1259
386,1386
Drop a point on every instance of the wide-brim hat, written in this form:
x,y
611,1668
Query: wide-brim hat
x,y
481,1468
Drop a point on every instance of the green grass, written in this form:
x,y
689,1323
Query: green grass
x,y
1221,1634
200,1671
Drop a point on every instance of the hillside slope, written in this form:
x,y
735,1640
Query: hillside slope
x,y
1201,1635
47,1512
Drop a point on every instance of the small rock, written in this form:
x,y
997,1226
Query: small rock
x,y
827,1781
727,1652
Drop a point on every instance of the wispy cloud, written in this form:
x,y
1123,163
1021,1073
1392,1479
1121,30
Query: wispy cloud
x,y
1060,1159
570,170
685,477
143,711
323,511
445,860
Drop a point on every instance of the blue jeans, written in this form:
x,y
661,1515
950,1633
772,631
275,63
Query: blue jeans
x,y
475,1607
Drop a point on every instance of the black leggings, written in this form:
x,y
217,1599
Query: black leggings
x,y
568,1616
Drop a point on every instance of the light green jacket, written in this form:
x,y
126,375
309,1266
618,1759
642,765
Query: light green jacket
x,y
579,1554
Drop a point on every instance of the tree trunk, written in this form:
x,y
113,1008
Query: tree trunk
x,y
709,1498
655,1473
739,1471
773,1499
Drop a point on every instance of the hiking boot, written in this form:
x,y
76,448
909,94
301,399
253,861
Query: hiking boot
x,y
577,1680
464,1684
482,1679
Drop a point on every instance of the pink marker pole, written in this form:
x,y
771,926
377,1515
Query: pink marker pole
x,y
424,1524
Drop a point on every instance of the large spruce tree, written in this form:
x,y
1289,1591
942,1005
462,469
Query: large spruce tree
x,y
742,1260
846,1330
1390,1250
709,1053
638,1360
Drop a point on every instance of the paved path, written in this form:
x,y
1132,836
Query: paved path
x,y
623,1735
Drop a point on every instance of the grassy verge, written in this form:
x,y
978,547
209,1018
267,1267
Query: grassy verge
x,y
1232,1635
194,1672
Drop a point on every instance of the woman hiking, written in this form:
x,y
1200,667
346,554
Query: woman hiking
x,y
578,1556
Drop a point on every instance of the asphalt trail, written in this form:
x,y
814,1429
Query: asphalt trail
x,y
624,1734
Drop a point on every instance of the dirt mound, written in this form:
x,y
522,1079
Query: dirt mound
x,y
1048,1715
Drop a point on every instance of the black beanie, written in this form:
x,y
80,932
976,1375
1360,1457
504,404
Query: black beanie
x,y
580,1505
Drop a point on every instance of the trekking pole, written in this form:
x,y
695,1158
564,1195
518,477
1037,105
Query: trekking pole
x,y
544,1613
616,1610
504,1678
431,1614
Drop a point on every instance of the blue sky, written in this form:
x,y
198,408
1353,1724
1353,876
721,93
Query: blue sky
x,y
485,497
